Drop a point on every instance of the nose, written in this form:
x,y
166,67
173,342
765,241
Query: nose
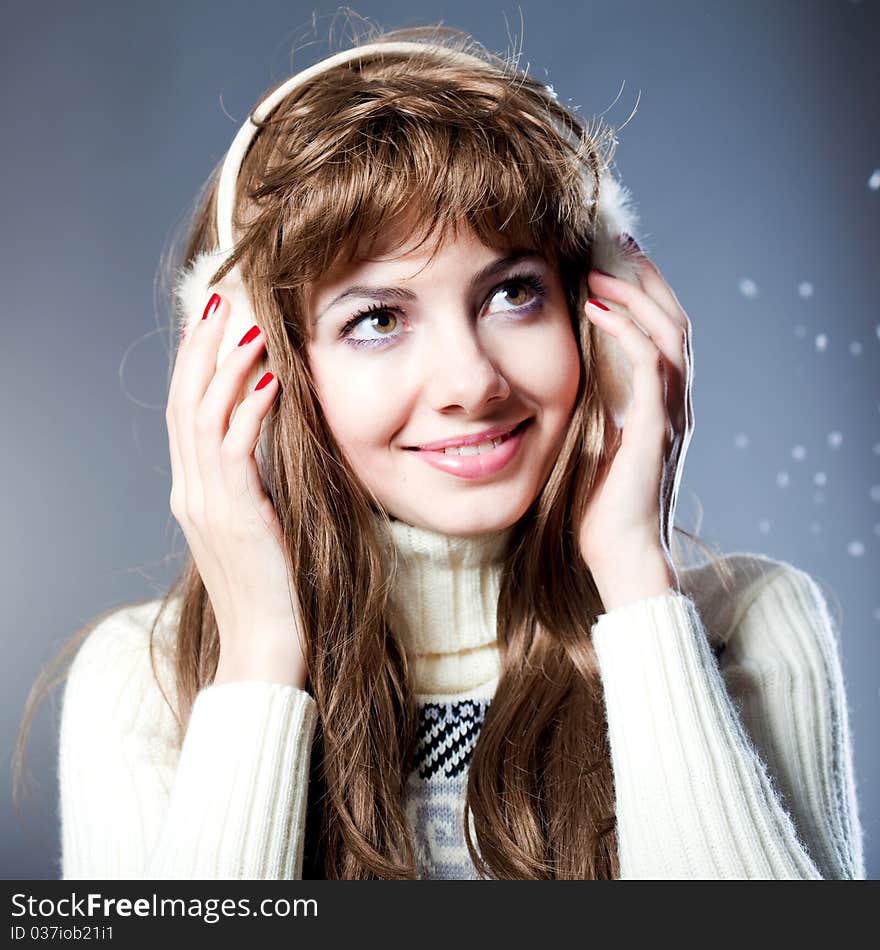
x,y
460,372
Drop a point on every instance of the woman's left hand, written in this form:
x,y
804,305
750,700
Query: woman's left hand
x,y
629,516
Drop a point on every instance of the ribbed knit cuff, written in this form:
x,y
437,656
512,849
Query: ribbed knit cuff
x,y
237,807
692,798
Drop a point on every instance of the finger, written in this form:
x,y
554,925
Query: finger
x,y
178,486
656,285
667,330
239,446
647,420
198,362
671,336
216,450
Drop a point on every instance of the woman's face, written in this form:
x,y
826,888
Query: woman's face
x,y
467,344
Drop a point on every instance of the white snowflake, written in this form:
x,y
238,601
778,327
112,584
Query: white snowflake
x,y
855,348
874,180
821,342
764,526
800,331
855,549
835,440
805,289
820,479
798,453
782,479
741,440
874,493
748,288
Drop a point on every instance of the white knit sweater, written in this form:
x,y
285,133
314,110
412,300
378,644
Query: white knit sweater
x,y
739,767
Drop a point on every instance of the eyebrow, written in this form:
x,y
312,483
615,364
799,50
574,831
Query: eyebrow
x,y
400,294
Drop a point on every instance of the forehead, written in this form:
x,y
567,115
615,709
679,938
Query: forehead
x,y
401,253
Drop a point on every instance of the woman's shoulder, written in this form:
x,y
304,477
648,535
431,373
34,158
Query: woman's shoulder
x,y
125,665
122,635
724,590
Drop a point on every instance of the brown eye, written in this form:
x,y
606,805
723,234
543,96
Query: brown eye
x,y
380,321
521,291
522,294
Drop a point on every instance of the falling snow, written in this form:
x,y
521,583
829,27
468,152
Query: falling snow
x,y
818,497
748,288
782,479
877,613
821,342
805,289
835,440
764,526
798,453
820,479
874,180
877,528
800,331
855,549
815,527
741,441
877,448
874,493
855,348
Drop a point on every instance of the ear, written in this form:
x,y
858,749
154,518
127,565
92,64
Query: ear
x,y
616,217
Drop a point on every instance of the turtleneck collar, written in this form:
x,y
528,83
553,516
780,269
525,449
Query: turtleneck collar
x,y
444,603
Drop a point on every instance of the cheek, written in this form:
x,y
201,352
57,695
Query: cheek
x,y
359,406
550,369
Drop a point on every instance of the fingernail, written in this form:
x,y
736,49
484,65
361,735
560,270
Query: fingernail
x,y
253,332
211,306
596,303
264,381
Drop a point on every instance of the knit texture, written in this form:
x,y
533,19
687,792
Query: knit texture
x,y
727,722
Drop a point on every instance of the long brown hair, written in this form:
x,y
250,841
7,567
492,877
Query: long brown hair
x,y
427,142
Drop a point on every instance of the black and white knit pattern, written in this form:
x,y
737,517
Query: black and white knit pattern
x,y
436,787
447,736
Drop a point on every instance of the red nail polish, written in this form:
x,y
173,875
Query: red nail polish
x,y
596,303
250,335
211,306
264,381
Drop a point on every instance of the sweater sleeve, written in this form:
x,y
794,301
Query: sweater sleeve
x,y
695,798
227,804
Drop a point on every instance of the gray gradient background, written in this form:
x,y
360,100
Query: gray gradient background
x,y
749,158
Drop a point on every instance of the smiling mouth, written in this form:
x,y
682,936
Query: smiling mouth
x,y
482,448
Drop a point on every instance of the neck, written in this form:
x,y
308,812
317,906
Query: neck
x,y
443,605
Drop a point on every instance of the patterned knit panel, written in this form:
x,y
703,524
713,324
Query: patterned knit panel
x,y
435,789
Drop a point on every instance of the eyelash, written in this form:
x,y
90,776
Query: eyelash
x,y
532,281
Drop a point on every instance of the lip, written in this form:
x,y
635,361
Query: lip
x,y
477,466
474,439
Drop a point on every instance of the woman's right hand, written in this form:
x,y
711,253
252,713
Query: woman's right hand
x,y
219,502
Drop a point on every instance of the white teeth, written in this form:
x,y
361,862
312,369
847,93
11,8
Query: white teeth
x,y
480,449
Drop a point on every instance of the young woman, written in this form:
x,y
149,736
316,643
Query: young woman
x,y
425,454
